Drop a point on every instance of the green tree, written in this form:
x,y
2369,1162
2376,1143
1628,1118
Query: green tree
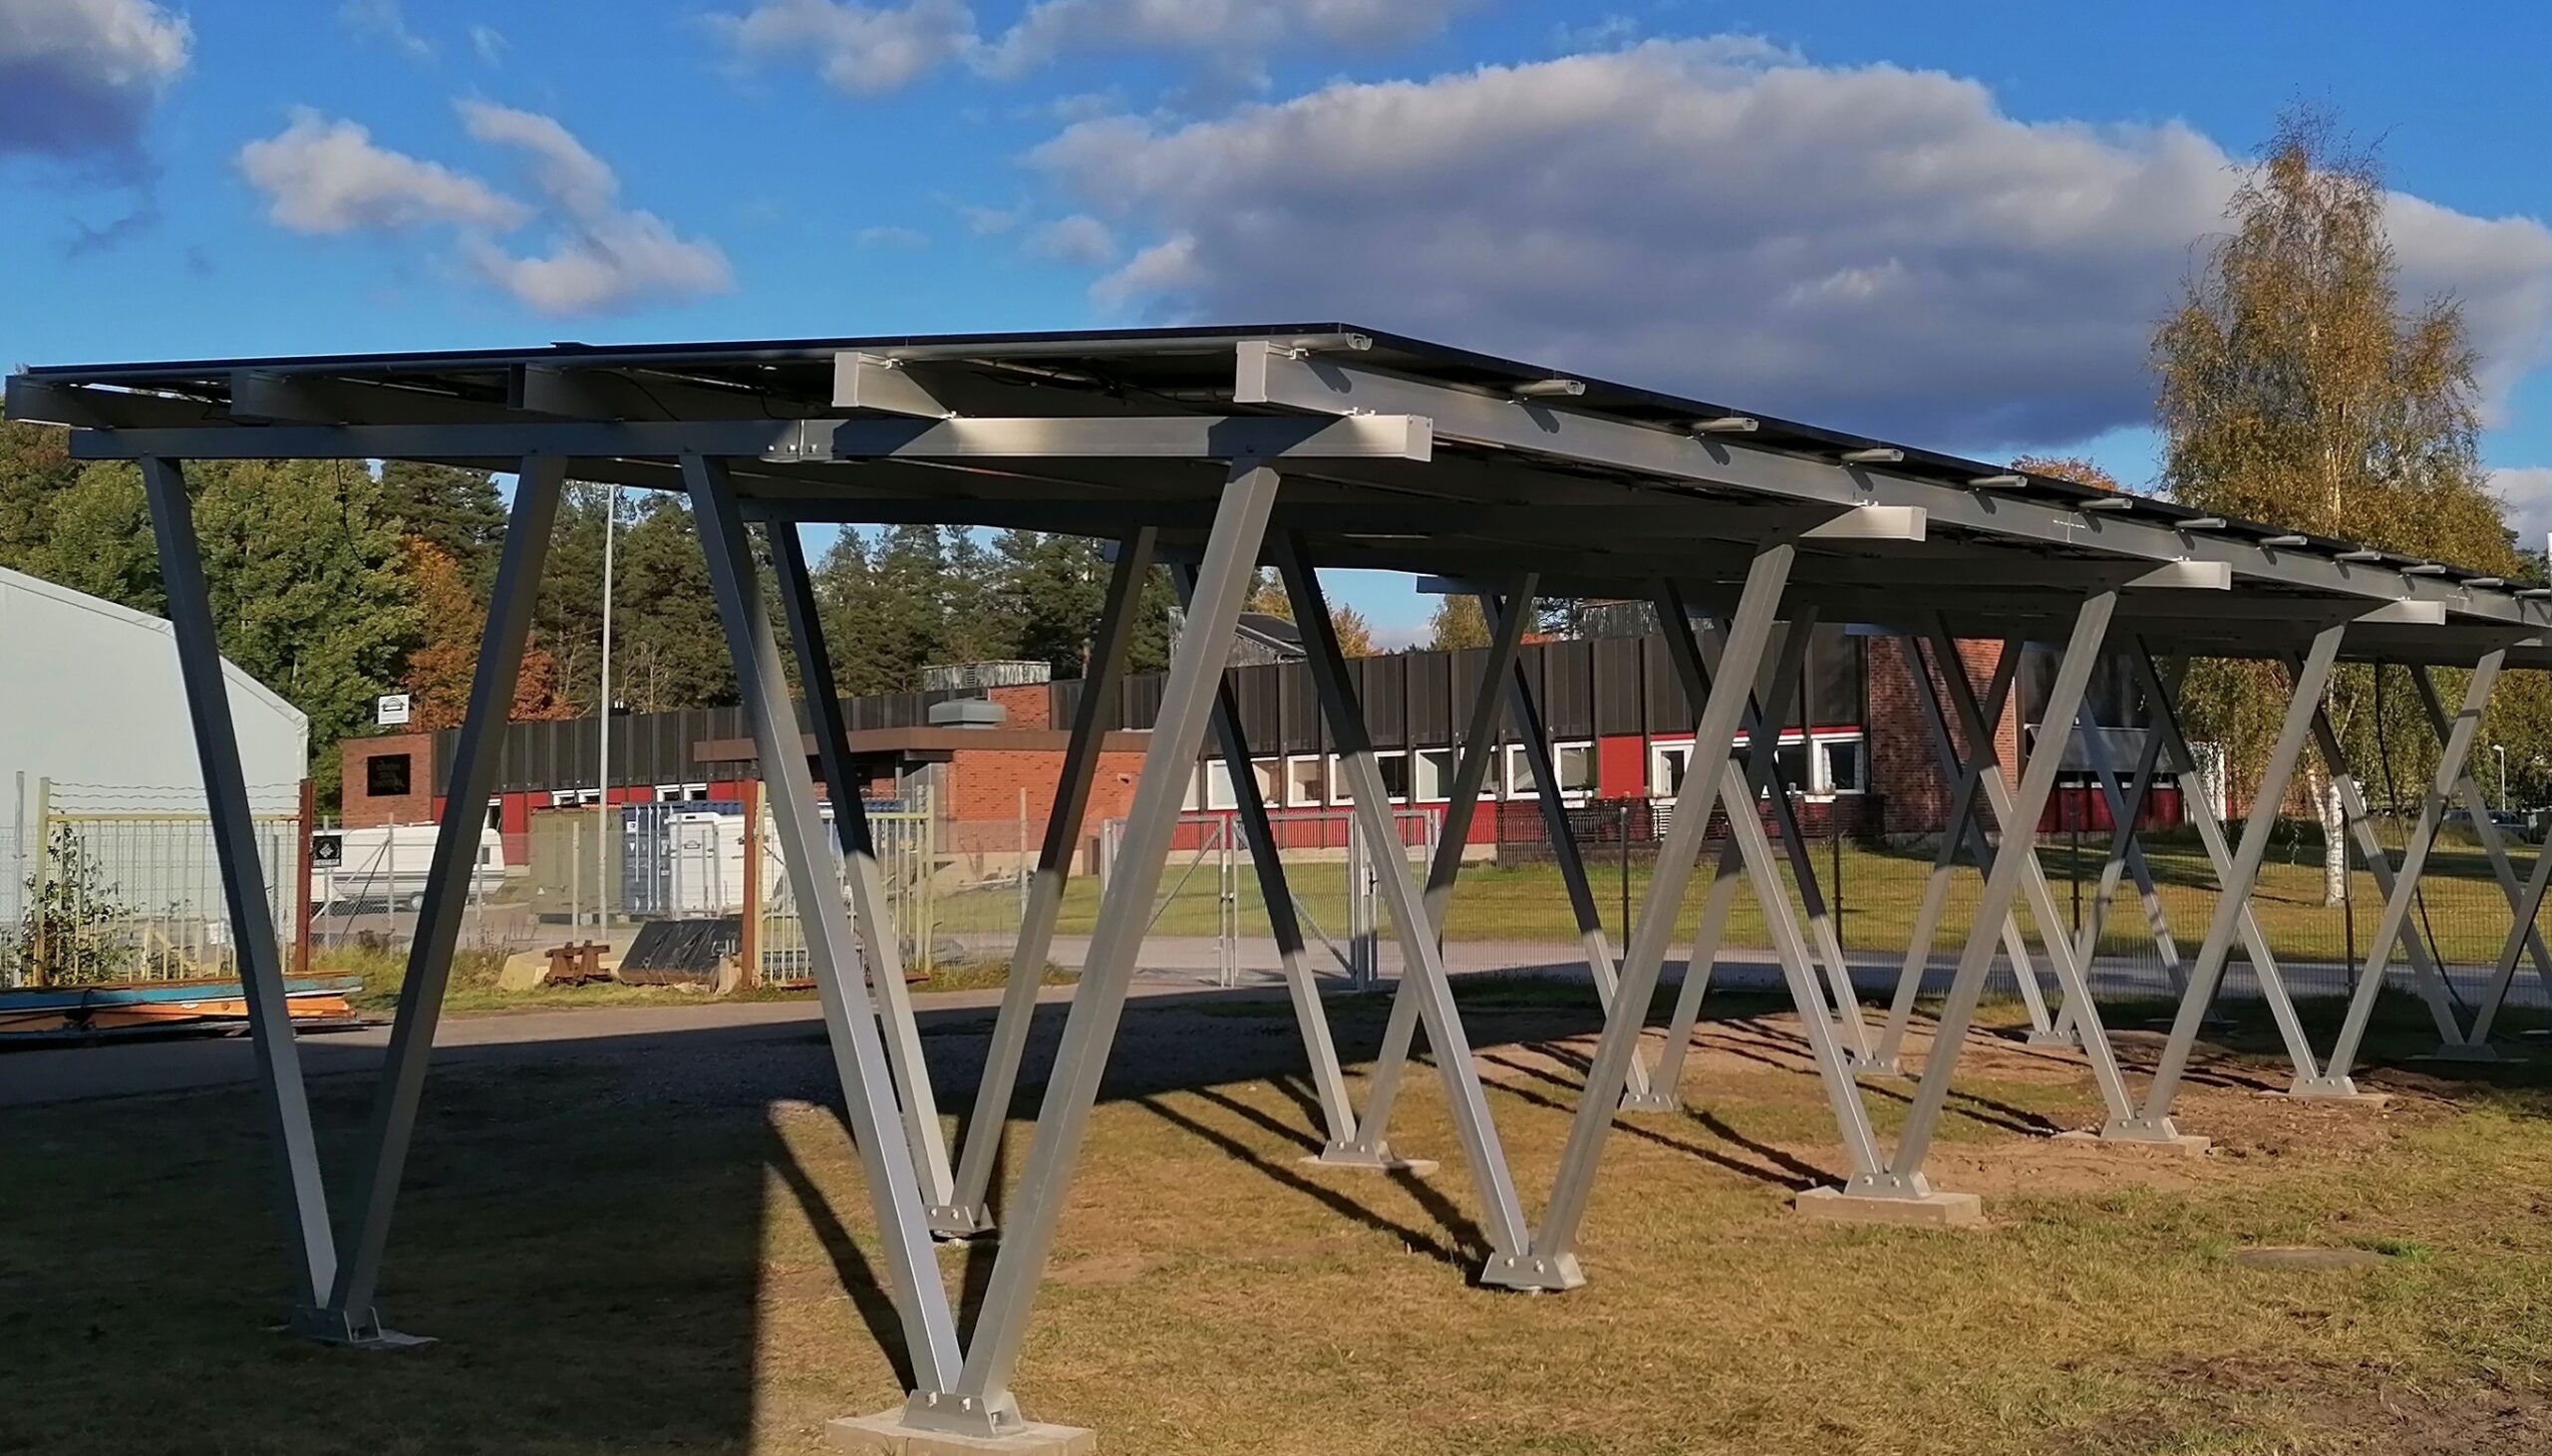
x,y
35,468
456,510
1457,623
2296,389
1052,590
669,649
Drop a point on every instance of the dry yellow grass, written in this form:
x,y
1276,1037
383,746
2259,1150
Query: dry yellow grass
x,y
672,1252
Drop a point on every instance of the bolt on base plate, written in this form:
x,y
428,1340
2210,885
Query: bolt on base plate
x,y
1532,1273
886,1434
1652,1100
1925,1210
337,1328
952,1224
2050,1038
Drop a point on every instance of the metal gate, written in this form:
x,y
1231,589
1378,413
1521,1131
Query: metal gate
x,y
907,865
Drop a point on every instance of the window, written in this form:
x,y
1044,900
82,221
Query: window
x,y
1270,774
1846,760
1434,775
495,813
387,776
1218,787
1666,765
1792,759
1306,782
1394,769
569,798
1575,762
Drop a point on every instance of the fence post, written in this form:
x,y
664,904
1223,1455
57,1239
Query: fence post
x,y
302,880
748,922
40,966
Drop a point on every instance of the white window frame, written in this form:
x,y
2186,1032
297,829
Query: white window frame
x,y
1520,770
1318,786
1270,774
1420,760
1407,771
1657,787
1221,794
1822,761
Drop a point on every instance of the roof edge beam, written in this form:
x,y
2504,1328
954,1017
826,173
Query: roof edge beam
x,y
869,382
1171,436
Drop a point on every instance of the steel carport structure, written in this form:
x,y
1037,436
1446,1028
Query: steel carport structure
x,y
1215,450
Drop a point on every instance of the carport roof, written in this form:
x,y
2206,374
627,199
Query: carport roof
x,y
1397,454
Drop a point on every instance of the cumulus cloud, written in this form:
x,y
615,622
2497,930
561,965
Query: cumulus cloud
x,y
324,176
2527,490
328,176
1081,239
605,263
1871,247
873,47
77,79
864,49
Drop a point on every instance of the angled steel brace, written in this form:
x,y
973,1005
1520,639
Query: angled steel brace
x,y
2126,853
2476,1043
982,1403
302,1189
1997,792
2530,904
1961,832
1713,773
880,955
2398,897
1423,977
2163,693
468,784
2312,678
969,1210
2013,859
1370,1147
1524,713
850,1019
2424,971
1284,920
1762,775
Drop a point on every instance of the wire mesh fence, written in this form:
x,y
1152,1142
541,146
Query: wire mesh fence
x,y
111,884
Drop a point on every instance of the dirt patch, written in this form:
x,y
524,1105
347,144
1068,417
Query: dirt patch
x,y
1111,1267
2342,1408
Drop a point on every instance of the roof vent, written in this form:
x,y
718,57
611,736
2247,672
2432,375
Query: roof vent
x,y
968,713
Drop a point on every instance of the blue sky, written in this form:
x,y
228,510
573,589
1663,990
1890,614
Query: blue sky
x,y
1946,224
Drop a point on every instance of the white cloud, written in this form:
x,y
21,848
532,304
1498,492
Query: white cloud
x,y
1873,248
382,20
328,176
1078,239
325,177
891,237
867,49
489,44
78,78
576,179
606,263
2527,490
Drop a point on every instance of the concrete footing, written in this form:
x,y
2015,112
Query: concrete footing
x,y
2460,1051
2184,1145
1352,1161
2326,1089
885,1434
1929,1211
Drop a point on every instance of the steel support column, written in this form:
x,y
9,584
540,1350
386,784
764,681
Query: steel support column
x,y
2312,678
1369,1146
2397,903
982,1402
1284,920
1712,773
1960,832
2013,860
2475,1044
880,955
850,1019
2126,853
303,1194
468,783
969,1213
2530,904
1423,977
1763,776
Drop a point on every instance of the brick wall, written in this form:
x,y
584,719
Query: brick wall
x,y
1027,705
362,807
1903,767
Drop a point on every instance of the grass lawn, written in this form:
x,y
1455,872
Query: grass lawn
x,y
1880,890
668,1249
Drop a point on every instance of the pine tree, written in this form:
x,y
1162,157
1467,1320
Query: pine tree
x,y
458,510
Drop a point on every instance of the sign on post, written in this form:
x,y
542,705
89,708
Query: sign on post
x,y
390,710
